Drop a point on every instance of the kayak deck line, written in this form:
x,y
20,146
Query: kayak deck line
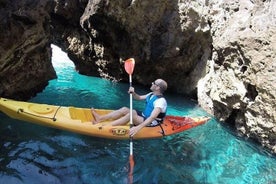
x,y
20,110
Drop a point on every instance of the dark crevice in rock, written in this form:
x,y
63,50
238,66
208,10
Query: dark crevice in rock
x,y
26,19
232,117
245,60
251,92
221,110
243,68
59,20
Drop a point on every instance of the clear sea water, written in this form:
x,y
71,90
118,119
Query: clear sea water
x,y
209,154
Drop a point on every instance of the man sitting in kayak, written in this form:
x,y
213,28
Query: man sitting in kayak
x,y
155,110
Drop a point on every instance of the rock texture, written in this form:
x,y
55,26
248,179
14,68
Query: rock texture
x,y
25,52
223,52
166,40
240,85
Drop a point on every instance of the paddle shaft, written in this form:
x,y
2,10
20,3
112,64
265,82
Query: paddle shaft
x,y
131,117
129,67
131,160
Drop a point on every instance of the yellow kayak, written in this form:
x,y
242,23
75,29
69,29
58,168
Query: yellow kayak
x,y
79,120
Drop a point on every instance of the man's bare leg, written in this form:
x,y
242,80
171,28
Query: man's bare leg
x,y
126,118
112,115
121,121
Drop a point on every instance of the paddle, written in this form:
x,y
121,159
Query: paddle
x,y
129,67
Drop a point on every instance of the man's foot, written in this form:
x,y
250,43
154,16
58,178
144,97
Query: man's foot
x,y
96,119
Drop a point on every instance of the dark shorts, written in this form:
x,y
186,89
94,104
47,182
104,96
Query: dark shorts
x,y
140,113
153,123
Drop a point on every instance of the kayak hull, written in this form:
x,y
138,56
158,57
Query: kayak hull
x,y
79,120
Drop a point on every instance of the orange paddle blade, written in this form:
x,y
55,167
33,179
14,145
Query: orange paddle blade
x,y
131,168
129,65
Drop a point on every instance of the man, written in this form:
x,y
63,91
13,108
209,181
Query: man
x,y
155,110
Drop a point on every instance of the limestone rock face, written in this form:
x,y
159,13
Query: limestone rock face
x,y
222,52
240,86
167,40
25,53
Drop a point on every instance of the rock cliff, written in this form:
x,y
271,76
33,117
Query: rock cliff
x,y
223,52
25,53
240,85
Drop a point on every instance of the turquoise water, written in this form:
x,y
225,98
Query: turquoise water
x,y
208,154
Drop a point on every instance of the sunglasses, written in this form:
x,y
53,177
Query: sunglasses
x,y
154,83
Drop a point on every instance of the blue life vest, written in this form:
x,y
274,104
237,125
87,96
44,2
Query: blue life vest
x,y
149,107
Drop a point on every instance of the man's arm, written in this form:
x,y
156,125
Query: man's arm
x,y
135,95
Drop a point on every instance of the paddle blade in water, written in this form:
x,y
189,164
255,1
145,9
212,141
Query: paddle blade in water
x,y
129,65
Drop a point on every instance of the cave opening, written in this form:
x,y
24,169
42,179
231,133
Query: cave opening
x,y
60,58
